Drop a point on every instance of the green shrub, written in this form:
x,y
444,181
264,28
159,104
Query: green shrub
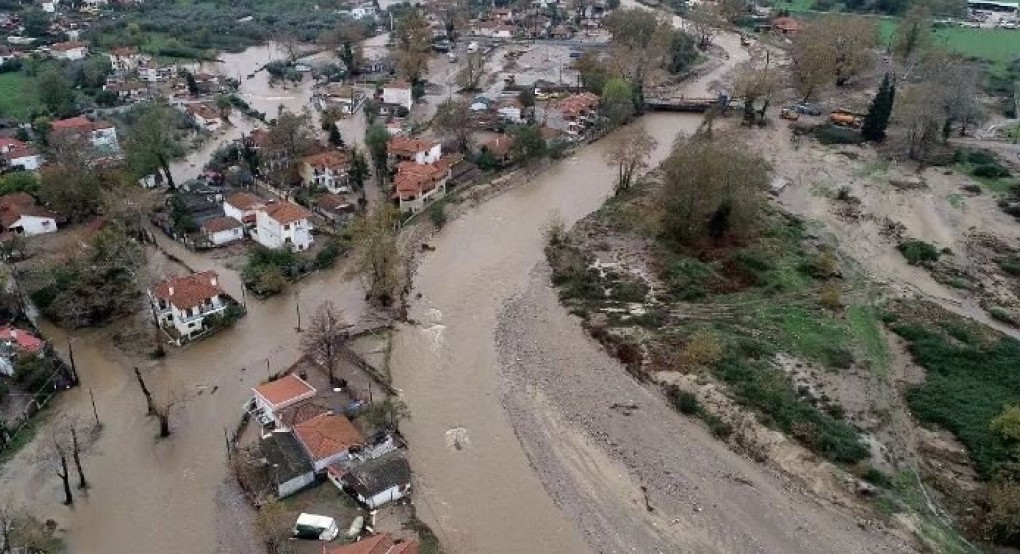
x,y
437,214
976,157
685,402
326,257
1011,265
918,252
838,135
992,170
876,476
689,279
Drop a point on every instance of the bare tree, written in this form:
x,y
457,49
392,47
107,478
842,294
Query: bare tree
x,y
471,72
376,257
412,52
755,85
453,120
840,47
164,408
640,43
704,24
150,407
59,457
273,523
76,448
324,340
629,152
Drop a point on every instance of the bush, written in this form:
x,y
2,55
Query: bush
x,y
976,157
1011,265
328,255
992,170
685,402
688,279
838,135
437,214
918,252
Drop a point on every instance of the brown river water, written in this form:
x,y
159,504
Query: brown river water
x,y
165,496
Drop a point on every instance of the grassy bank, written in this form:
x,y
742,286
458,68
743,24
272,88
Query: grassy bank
x,y
19,98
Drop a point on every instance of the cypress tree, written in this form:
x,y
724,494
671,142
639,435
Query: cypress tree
x,y
877,119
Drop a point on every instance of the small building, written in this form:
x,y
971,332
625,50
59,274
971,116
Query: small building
x,y
417,150
328,439
573,114
376,482
345,98
398,93
786,25
242,206
21,340
269,400
123,59
363,11
383,543
501,148
101,134
288,467
415,185
182,305
511,110
71,50
205,116
16,153
337,208
127,90
326,170
284,225
20,214
222,230
150,71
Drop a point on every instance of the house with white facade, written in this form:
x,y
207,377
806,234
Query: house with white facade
x,y
269,400
376,482
16,153
182,305
326,170
417,185
283,225
101,134
205,116
242,206
71,50
328,439
398,93
150,71
411,149
124,59
363,11
20,214
222,230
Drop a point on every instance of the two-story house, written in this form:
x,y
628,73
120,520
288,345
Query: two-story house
x,y
284,225
71,50
101,134
150,71
416,185
326,170
243,206
410,149
573,114
181,305
205,116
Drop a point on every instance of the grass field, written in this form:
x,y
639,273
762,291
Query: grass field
x,y
18,97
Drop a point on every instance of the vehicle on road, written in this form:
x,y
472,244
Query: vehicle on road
x,y
790,113
808,109
315,527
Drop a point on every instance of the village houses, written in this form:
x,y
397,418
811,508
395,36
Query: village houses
x,y
182,305
328,439
269,400
219,231
419,151
398,93
102,135
572,115
283,225
326,170
70,51
20,214
204,115
242,206
16,153
124,59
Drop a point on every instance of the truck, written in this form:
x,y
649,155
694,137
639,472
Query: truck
x,y
843,118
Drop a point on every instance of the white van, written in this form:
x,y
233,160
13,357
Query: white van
x,y
472,48
315,527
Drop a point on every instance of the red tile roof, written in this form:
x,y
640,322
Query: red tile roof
x,y
70,45
500,146
286,212
189,291
786,24
378,544
204,111
8,143
577,104
244,201
25,340
217,224
288,388
80,124
334,202
16,205
327,435
409,146
413,179
331,159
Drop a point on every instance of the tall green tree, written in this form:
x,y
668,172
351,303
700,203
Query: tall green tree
x,y
376,140
877,119
153,141
359,168
55,92
617,102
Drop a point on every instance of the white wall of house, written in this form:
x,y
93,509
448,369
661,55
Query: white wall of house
x,y
391,494
287,488
72,54
231,211
28,163
227,236
34,225
419,202
512,113
271,234
321,464
104,137
186,322
429,156
208,124
397,95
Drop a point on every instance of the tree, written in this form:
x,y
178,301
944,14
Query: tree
x,y
290,137
163,410
358,172
629,152
756,86
471,72
224,103
527,97
35,21
150,406
326,338
453,121
153,141
377,139
334,136
273,522
72,186
192,84
412,52
711,188
59,457
594,72
682,52
529,146
55,93
914,32
376,257
836,46
387,414
19,181
639,44
617,104
76,455
877,119
1007,424
704,23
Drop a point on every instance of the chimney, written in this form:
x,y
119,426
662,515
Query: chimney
x,y
171,289
213,279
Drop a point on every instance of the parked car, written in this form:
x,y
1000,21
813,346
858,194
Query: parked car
x,y
790,113
809,109
315,527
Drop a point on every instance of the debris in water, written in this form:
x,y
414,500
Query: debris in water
x,y
457,438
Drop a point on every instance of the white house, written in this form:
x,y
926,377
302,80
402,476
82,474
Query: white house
x,y
417,150
71,50
270,399
243,206
182,304
150,71
205,116
363,11
328,439
20,214
101,134
16,153
50,6
376,482
283,225
398,93
222,230
124,59
327,170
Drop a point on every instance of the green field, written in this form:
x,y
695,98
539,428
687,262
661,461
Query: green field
x,y
18,96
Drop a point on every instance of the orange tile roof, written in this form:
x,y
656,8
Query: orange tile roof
x,y
378,544
288,388
244,201
330,159
575,104
14,206
217,224
65,46
334,202
285,212
80,123
413,179
409,146
327,435
205,111
189,291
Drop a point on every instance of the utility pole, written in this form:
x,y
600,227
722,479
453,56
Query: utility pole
x,y
95,412
297,306
70,356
